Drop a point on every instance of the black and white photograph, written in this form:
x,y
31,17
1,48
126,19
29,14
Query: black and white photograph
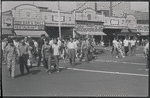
x,y
74,48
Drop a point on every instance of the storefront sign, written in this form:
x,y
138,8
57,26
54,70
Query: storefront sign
x,y
55,18
131,22
7,22
28,23
143,28
114,22
29,27
91,27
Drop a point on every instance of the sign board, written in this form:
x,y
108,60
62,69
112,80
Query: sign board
x,y
55,18
90,27
131,22
28,27
7,22
114,22
142,28
26,24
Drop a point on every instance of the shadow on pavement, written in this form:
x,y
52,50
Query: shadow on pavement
x,y
33,72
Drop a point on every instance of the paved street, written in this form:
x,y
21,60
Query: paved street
x,y
104,76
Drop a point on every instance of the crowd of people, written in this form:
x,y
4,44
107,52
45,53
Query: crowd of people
x,y
123,48
46,50
49,51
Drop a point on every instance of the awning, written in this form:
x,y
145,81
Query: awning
x,y
144,33
91,33
30,33
7,32
129,31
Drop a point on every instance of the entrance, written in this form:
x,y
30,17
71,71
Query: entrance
x,y
53,32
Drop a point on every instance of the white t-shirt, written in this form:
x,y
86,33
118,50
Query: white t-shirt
x,y
59,42
51,42
126,42
35,44
133,42
71,45
55,49
115,43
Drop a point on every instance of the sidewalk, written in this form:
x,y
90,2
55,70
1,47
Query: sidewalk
x,y
138,58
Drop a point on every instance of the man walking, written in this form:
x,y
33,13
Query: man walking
x,y
71,51
85,49
146,54
40,44
126,46
24,55
133,46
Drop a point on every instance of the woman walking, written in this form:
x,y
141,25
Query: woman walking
x,y
47,55
11,56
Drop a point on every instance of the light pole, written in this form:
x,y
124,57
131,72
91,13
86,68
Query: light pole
x,y
59,20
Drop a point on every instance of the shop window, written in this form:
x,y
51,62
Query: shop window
x,y
89,17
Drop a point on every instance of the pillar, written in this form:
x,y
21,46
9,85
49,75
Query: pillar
x,y
101,37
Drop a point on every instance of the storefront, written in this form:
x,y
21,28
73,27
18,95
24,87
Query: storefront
x,y
7,24
91,23
131,30
67,23
28,21
29,27
113,27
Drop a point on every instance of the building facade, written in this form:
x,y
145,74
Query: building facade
x,y
119,8
30,20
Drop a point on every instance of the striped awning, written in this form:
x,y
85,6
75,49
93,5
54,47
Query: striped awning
x,y
30,33
91,33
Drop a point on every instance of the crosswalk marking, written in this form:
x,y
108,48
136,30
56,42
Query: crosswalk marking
x,y
108,72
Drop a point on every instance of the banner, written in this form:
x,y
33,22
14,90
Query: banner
x,y
142,28
20,27
55,18
7,22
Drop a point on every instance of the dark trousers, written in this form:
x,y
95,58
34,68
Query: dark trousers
x,y
56,57
126,50
23,62
47,62
133,50
85,53
40,57
71,53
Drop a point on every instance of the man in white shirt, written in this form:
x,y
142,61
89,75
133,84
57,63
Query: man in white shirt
x,y
71,51
133,46
114,48
126,46
146,54
59,44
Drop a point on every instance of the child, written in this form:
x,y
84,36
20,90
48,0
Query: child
x,y
56,49
11,56
47,55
